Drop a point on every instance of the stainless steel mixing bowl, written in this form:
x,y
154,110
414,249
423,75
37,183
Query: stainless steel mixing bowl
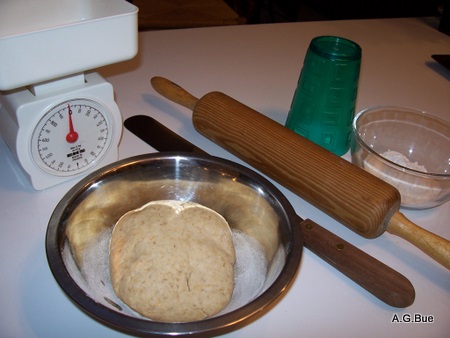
x,y
249,202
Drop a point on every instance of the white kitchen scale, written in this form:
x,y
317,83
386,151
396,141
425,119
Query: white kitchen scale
x,y
57,116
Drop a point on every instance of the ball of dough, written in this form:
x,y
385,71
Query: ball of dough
x,y
173,261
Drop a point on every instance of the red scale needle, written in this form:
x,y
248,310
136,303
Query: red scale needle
x,y
72,136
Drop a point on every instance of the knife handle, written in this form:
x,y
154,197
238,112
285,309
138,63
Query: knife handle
x,y
379,279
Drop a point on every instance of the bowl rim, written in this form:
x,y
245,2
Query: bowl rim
x,y
132,325
408,110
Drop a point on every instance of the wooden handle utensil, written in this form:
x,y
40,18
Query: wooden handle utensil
x,y
352,196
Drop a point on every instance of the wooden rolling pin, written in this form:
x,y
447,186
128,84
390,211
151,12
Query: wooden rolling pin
x,y
352,196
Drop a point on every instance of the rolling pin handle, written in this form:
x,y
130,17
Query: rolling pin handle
x,y
433,245
173,92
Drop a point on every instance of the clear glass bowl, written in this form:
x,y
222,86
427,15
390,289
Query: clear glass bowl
x,y
407,148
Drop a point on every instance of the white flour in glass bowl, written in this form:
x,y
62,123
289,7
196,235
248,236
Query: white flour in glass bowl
x,y
399,158
414,190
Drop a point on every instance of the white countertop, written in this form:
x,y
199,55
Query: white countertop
x,y
259,66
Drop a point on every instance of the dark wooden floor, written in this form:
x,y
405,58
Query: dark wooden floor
x,y
265,11
272,11
164,14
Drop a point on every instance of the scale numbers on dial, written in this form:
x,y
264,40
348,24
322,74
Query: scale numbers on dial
x,y
72,137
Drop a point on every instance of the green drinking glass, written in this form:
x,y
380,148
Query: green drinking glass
x,y
323,106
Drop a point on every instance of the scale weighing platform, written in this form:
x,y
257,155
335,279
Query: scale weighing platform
x,y
57,116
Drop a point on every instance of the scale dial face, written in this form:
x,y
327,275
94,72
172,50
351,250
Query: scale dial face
x,y
72,137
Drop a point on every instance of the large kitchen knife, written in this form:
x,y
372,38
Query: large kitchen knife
x,y
380,280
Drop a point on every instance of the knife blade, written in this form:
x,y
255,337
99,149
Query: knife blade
x,y
158,136
443,59
392,288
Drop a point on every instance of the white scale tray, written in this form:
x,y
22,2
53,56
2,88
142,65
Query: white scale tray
x,y
48,39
